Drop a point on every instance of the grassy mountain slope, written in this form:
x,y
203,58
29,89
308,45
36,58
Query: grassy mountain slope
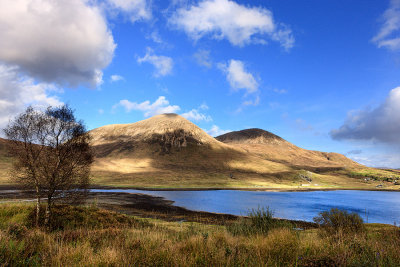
x,y
5,162
168,151
277,149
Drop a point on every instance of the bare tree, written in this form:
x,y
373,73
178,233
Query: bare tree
x,y
52,155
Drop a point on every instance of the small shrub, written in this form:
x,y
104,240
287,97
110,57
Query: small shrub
x,y
339,221
260,221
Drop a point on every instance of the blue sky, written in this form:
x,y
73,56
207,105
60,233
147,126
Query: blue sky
x,y
324,75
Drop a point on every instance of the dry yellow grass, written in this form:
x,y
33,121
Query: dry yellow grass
x,y
159,243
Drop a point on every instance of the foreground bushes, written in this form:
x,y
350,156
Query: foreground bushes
x,y
188,244
259,221
337,221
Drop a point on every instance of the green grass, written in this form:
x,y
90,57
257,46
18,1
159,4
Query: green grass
x,y
376,174
103,238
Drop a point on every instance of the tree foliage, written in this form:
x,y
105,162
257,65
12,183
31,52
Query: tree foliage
x,y
52,154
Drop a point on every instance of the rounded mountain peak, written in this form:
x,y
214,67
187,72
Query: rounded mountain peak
x,y
251,136
145,130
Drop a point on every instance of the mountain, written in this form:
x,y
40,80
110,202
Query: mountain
x,y
275,148
168,151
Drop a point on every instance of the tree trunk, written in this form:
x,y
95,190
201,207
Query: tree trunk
x,y
47,220
37,207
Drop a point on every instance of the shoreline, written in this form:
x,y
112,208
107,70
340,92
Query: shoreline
x,y
143,204
266,189
261,189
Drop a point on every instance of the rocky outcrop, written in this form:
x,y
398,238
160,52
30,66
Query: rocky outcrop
x,y
174,140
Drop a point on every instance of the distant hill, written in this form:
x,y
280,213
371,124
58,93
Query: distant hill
x,y
251,136
275,148
5,162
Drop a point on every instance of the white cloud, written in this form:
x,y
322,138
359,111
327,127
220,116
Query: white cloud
x,y
64,41
249,102
116,78
389,34
253,102
238,77
135,9
379,124
387,160
224,19
202,58
160,106
216,131
162,64
155,37
195,115
204,106
17,92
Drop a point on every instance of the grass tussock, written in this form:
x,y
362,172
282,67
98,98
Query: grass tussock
x,y
259,221
338,222
160,243
67,217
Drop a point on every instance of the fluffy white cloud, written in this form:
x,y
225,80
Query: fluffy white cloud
x,y
389,34
196,115
162,64
116,78
17,92
160,106
135,9
63,41
238,77
224,19
216,131
379,124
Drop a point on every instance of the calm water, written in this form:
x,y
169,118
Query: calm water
x,y
373,206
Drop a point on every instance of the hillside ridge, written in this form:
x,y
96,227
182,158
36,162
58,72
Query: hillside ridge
x,y
252,135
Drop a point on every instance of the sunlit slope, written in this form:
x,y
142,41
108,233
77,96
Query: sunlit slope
x,y
169,150
5,162
277,149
